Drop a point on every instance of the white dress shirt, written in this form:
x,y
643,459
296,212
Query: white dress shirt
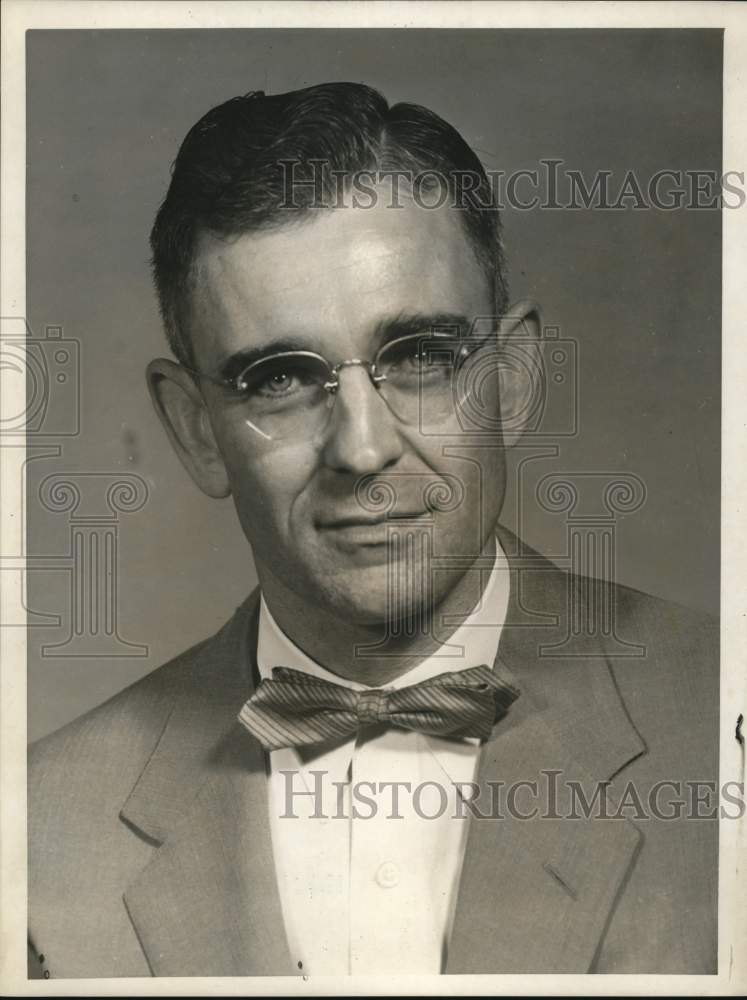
x,y
368,884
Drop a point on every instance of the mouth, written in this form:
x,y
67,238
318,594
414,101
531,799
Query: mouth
x,y
370,531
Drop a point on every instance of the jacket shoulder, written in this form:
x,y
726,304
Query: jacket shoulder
x,y
122,729
670,682
100,755
670,640
658,614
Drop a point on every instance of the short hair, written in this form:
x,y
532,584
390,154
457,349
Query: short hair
x,y
228,178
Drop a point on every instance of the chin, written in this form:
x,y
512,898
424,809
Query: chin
x,y
367,597
360,598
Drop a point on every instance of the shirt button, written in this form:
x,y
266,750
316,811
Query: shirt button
x,y
387,875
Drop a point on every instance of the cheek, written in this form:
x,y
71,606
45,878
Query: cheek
x,y
476,487
268,486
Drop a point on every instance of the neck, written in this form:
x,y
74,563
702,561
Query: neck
x,y
335,642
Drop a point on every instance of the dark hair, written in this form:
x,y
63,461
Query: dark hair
x,y
229,178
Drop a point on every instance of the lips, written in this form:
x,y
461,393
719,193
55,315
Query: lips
x,y
368,541
357,521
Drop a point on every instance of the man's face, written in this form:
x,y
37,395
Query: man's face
x,y
334,284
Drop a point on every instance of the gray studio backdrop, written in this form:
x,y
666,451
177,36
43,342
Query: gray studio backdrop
x,y
637,292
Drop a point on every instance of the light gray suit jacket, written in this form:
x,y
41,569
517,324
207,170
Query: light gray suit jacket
x,y
149,843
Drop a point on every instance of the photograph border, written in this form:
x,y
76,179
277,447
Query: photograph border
x,y
18,17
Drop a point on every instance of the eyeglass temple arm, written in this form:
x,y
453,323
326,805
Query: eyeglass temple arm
x,y
218,380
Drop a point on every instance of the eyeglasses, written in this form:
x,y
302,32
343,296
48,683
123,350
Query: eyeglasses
x,y
291,394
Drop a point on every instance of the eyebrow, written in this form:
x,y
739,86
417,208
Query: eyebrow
x,y
405,324
236,363
386,330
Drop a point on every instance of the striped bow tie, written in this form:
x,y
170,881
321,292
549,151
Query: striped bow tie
x,y
298,710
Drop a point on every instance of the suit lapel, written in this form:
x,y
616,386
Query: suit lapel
x,y
207,903
536,894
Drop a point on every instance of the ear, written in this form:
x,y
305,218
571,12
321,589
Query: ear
x,y
184,415
521,372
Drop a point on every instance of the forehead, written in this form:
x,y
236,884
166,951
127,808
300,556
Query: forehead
x,y
332,278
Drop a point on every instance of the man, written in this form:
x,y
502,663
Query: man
x,y
384,762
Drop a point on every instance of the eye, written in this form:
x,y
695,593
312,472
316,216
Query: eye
x,y
278,383
273,382
404,354
410,352
422,358
291,379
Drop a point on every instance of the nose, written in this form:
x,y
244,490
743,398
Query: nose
x,y
362,436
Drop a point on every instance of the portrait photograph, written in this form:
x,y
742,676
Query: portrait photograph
x,y
372,467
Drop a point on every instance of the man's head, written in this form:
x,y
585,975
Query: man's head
x,y
259,163
326,222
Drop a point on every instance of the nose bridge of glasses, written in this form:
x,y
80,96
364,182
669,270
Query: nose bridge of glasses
x,y
360,422
333,384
